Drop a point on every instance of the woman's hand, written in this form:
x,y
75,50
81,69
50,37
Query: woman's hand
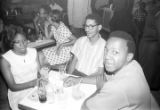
x,y
34,82
46,23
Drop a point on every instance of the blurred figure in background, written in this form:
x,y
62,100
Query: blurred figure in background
x,y
139,17
1,35
54,6
149,47
77,12
4,105
122,18
40,20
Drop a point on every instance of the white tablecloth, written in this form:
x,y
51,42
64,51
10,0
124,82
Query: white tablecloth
x,y
65,102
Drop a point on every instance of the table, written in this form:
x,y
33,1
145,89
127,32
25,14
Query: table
x,y
41,44
63,102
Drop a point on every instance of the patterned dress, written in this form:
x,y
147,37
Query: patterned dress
x,y
61,35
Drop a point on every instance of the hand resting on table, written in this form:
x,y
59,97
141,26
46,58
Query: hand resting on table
x,y
71,81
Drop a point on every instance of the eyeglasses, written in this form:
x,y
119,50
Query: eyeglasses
x,y
90,26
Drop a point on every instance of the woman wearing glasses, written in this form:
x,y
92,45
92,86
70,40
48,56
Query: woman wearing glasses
x,y
19,68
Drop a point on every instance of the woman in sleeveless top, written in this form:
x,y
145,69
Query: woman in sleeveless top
x,y
19,68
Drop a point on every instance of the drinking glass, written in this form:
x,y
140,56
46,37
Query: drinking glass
x,y
62,71
50,93
76,92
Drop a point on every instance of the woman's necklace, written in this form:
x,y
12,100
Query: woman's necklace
x,y
23,56
24,59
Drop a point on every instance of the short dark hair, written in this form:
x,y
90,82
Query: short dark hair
x,y
55,15
95,17
14,36
124,35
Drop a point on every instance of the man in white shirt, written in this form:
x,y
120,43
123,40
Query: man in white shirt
x,y
88,50
126,87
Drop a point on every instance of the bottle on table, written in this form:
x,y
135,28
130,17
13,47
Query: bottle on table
x,y
42,83
42,93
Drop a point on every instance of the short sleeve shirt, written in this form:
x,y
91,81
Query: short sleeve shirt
x,y
90,56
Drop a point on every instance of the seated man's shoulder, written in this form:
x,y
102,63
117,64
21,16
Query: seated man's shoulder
x,y
82,38
103,40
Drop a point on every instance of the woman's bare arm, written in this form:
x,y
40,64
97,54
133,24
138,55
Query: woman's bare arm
x,y
72,40
6,72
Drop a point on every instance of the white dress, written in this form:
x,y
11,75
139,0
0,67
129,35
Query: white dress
x,y
24,69
77,12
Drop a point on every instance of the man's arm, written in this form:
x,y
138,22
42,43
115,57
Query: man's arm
x,y
72,64
92,79
47,34
97,79
78,73
8,76
72,40
35,20
109,99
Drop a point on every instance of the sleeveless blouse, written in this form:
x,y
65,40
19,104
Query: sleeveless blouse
x,y
24,69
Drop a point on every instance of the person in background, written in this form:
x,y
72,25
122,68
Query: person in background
x,y
19,66
88,50
124,87
3,86
39,21
61,6
77,12
60,53
149,47
122,18
1,25
139,19
157,17
107,12
1,36
54,6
